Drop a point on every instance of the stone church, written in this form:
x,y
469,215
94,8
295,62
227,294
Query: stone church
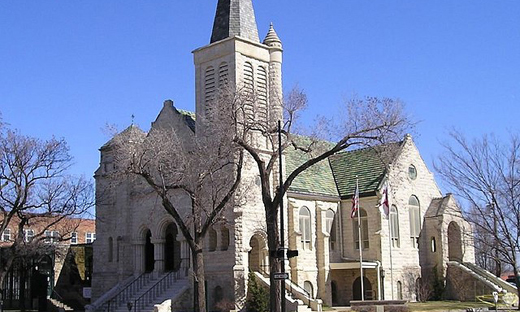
x,y
139,250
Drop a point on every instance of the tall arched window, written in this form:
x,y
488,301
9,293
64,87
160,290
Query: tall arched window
x,y
399,290
212,246
223,75
118,247
224,241
262,94
415,220
305,227
308,288
209,85
331,227
249,88
110,249
394,226
364,229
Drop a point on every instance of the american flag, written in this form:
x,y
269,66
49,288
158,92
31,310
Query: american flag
x,y
355,202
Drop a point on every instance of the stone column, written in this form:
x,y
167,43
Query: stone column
x,y
185,257
158,249
139,256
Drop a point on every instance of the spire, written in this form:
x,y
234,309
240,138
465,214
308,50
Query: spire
x,y
234,18
271,39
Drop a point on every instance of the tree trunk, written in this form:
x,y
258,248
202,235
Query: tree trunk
x,y
274,263
199,287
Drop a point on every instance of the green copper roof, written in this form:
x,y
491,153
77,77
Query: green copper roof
x,y
189,118
366,164
316,180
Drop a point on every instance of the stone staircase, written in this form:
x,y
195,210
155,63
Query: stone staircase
x,y
296,298
59,306
143,293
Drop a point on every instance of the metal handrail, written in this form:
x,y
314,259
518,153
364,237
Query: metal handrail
x,y
153,291
124,294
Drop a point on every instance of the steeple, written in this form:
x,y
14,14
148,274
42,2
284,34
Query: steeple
x,y
234,18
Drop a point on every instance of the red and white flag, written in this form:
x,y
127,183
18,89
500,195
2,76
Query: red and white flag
x,y
355,202
384,204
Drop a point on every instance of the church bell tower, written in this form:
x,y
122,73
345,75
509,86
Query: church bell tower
x,y
236,58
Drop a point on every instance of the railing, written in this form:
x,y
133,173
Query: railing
x,y
157,289
126,293
302,290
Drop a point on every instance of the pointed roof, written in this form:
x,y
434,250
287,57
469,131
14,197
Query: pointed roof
x,y
272,39
131,133
235,18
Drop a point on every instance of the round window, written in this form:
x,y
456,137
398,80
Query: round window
x,y
412,172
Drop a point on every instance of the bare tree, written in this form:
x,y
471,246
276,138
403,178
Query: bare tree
x,y
486,173
206,168
367,122
37,193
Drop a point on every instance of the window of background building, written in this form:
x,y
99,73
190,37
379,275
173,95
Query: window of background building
x,y
28,235
90,237
52,236
74,238
6,235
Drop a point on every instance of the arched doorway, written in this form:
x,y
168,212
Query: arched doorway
x,y
172,249
454,242
357,288
257,254
334,292
148,252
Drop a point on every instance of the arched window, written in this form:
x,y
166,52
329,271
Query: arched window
x,y
118,247
399,290
364,229
262,94
224,241
415,220
433,244
394,226
110,249
212,246
249,88
223,75
218,295
305,227
334,292
330,227
209,85
308,288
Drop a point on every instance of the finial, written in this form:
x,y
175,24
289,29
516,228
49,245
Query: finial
x,y
133,117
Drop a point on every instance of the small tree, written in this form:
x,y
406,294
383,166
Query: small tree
x,y
485,172
367,122
257,296
205,167
37,192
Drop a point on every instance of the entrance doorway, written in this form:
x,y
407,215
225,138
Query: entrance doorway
x,y
367,287
257,254
454,242
172,249
148,253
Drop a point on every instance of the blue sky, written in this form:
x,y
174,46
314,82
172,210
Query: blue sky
x,y
67,68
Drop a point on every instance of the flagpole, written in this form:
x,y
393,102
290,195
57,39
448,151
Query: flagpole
x,y
360,241
391,262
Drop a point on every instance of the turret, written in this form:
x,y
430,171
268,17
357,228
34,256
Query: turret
x,y
275,74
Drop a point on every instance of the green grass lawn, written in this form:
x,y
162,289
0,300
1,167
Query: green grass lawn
x,y
444,305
